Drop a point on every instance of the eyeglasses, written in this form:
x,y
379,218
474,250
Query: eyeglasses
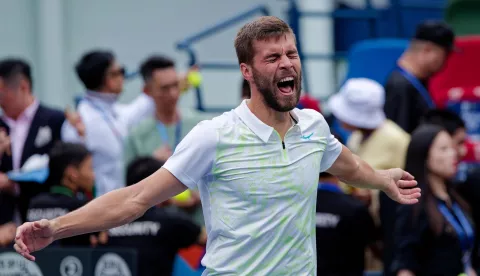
x,y
119,72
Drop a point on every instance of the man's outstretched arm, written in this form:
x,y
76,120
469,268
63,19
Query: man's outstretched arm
x,y
108,211
396,183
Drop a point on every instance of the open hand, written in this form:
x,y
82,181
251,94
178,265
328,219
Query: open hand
x,y
401,186
33,236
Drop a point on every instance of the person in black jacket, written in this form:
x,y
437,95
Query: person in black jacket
x,y
159,233
70,175
27,128
406,91
344,230
435,237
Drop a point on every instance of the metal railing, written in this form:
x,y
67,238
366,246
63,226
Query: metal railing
x,y
187,43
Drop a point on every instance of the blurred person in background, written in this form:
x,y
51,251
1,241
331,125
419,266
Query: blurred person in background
x,y
27,128
160,133
161,233
344,229
101,123
375,139
407,95
436,236
70,173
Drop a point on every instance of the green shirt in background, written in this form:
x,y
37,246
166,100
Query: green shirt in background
x,y
145,138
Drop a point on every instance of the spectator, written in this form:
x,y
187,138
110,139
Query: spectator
x,y
161,132
435,236
102,120
27,128
375,139
407,97
70,173
245,90
162,233
344,230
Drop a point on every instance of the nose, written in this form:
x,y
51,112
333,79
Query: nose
x,y
285,62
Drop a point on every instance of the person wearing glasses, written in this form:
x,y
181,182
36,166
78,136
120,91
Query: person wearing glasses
x,y
100,122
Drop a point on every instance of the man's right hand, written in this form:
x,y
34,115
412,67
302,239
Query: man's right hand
x,y
33,236
5,143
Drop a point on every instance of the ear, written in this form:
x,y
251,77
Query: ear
x,y
71,172
146,90
24,84
246,71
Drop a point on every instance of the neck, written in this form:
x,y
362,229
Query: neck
x,y
69,184
166,116
408,62
280,121
438,187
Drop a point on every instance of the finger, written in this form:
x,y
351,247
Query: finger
x,y
21,245
407,183
412,196
409,201
40,224
410,191
407,176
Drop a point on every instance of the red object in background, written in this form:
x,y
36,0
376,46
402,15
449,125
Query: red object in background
x,y
192,255
472,151
460,71
309,102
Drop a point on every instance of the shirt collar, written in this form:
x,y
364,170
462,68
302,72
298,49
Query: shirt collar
x,y
105,98
62,190
28,113
258,127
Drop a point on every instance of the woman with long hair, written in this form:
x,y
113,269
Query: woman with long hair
x,y
434,237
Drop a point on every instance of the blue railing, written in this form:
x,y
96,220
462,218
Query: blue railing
x,y
187,43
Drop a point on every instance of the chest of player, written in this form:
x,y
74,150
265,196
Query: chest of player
x,y
276,168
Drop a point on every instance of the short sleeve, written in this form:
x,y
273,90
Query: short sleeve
x,y
193,157
332,149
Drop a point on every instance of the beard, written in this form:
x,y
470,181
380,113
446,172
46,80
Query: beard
x,y
273,98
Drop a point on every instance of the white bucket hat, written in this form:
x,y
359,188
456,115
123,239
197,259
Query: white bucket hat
x,y
359,103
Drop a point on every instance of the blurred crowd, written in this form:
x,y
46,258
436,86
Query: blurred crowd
x,y
102,145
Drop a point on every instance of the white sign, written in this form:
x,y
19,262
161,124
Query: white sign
x,y
111,264
14,264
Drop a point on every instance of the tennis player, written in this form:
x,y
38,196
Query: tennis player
x,y
256,168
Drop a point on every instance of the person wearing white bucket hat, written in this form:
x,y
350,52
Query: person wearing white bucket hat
x,y
375,139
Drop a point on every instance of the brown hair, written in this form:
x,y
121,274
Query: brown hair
x,y
259,29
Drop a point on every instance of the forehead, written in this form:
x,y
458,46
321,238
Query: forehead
x,y
164,75
442,139
284,42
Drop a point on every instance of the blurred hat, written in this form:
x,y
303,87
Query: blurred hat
x,y
359,103
437,32
308,102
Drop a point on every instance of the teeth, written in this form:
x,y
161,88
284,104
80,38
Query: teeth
x,y
286,79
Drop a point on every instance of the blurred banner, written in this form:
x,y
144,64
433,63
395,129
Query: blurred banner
x,y
71,262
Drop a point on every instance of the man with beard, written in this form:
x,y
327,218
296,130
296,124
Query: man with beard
x,y
256,168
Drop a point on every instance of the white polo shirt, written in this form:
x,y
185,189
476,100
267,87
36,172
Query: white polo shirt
x,y
258,197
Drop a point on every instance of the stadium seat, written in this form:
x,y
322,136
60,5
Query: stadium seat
x,y
463,16
460,72
379,54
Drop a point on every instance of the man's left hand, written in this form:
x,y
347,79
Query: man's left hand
x,y
401,186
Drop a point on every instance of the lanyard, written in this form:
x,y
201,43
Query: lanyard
x,y
107,119
418,85
162,130
463,229
325,186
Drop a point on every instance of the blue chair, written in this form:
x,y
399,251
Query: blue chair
x,y
373,59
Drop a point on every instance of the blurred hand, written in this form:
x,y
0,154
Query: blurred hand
x,y
76,121
7,233
33,236
162,153
400,187
5,143
6,184
405,272
183,78
363,195
101,238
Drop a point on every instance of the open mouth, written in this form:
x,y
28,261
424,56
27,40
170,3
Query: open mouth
x,y
286,85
